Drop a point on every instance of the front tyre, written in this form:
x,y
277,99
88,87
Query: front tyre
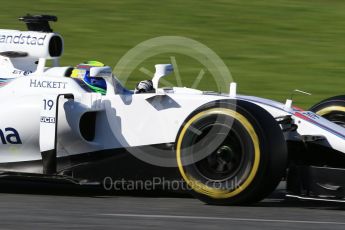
x,y
333,109
231,152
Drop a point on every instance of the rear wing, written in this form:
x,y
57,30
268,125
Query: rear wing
x,y
38,22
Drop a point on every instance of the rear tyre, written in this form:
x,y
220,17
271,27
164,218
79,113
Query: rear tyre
x,y
231,152
332,109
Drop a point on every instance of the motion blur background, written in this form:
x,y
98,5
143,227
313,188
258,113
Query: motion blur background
x,y
271,46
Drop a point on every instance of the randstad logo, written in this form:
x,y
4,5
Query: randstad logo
x,y
10,136
22,39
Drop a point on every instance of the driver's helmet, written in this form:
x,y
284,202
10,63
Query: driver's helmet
x,y
82,71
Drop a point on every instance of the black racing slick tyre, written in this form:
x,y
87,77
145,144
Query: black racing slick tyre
x,y
333,109
231,153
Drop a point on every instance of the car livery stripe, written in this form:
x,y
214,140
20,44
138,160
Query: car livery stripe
x,y
297,108
5,81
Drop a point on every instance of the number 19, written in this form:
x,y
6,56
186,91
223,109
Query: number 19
x,y
48,104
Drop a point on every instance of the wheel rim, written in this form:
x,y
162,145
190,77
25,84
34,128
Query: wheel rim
x,y
225,161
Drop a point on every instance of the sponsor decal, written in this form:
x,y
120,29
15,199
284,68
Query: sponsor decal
x,y
47,84
21,72
10,136
48,119
22,39
311,115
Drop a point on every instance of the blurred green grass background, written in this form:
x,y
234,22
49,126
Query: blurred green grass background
x,y
271,46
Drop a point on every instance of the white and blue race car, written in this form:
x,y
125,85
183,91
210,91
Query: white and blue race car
x,y
80,125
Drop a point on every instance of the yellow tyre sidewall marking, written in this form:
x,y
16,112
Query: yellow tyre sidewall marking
x,y
330,109
203,188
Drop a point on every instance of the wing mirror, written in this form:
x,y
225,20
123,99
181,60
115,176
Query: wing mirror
x,y
162,70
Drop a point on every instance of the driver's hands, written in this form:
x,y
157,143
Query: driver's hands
x,y
145,86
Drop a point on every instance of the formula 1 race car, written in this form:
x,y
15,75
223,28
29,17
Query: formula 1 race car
x,y
81,125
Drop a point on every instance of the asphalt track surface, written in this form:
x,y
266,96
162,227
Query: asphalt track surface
x,y
43,209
